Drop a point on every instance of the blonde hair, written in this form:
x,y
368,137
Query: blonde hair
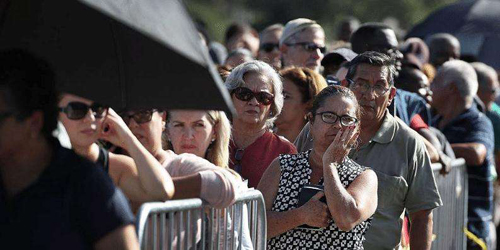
x,y
218,152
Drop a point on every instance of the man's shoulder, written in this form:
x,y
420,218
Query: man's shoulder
x,y
404,132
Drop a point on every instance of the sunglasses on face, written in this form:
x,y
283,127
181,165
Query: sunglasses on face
x,y
332,118
139,117
310,47
246,94
78,110
269,47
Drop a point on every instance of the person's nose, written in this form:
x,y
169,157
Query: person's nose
x,y
188,133
90,116
253,101
316,54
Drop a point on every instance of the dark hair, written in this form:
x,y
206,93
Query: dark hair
x,y
334,90
375,59
366,31
28,83
236,29
307,81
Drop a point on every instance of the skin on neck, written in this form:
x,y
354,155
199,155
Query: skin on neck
x,y
23,169
291,130
245,134
449,112
90,152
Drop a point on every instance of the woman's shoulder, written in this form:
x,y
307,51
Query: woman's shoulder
x,y
282,144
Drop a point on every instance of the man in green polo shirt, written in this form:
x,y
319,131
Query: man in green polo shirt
x,y
396,153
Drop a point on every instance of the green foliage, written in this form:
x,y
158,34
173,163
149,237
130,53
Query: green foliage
x,y
218,14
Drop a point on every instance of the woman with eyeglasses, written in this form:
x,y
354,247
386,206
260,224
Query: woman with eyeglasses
x,y
140,176
256,91
300,86
336,212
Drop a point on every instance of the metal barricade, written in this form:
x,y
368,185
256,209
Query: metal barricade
x,y
188,224
450,220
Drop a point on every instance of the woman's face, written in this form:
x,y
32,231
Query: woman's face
x,y
324,133
148,132
293,107
252,111
82,132
190,132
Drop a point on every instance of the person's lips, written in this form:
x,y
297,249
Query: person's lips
x,y
188,147
88,131
252,112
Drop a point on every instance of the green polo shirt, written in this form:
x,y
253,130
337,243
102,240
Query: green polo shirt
x,y
405,180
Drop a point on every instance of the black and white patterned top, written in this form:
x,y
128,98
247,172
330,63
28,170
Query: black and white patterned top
x,y
295,173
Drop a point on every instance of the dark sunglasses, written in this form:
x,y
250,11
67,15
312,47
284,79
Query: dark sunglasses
x,y
311,47
246,94
78,110
139,117
269,47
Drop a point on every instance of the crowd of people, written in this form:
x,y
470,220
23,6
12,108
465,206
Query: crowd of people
x,y
339,141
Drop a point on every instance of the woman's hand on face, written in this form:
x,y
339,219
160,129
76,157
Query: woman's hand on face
x,y
341,145
315,212
115,130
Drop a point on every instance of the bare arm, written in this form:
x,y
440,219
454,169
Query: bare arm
x,y
314,212
121,238
431,144
421,230
188,186
143,178
353,205
473,153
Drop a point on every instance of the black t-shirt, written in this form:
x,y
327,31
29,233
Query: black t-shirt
x,y
72,205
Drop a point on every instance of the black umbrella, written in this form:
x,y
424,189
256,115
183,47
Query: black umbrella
x,y
476,24
134,54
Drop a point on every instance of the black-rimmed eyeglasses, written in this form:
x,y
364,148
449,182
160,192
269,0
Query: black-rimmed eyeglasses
x,y
332,118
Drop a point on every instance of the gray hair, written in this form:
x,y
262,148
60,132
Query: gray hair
x,y
462,74
235,80
485,73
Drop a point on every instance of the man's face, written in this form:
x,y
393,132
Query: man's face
x,y
297,53
269,48
489,91
440,92
373,106
14,134
245,40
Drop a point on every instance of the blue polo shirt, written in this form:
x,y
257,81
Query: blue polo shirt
x,y
72,205
409,104
473,126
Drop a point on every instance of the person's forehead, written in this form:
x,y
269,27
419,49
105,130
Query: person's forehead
x,y
272,36
67,98
188,115
338,104
383,38
371,72
311,35
256,81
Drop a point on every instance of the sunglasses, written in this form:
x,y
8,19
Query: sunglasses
x,y
311,47
78,110
139,117
269,47
246,94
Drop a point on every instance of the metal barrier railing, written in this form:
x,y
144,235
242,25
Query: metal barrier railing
x,y
450,220
188,224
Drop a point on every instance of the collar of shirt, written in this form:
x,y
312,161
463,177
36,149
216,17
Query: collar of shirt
x,y
387,130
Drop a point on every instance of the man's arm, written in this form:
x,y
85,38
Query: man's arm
x,y
121,238
421,229
474,153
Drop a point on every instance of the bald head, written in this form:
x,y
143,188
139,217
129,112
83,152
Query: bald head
x,y
373,37
488,83
443,47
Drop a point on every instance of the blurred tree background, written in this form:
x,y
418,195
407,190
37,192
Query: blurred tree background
x,y
399,14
